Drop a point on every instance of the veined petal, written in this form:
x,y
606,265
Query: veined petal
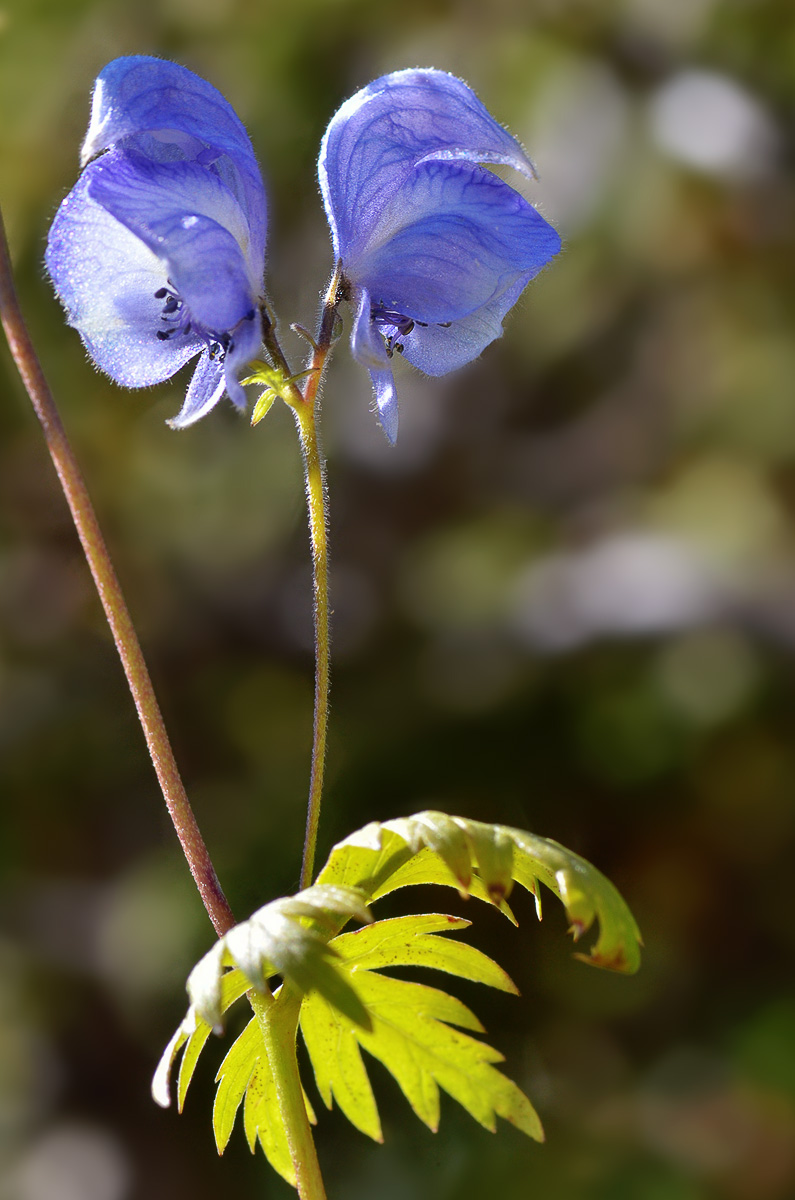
x,y
215,376
368,348
457,236
436,350
106,279
183,214
378,136
206,388
142,95
367,345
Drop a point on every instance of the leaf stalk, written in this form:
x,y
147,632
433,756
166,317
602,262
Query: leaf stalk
x,y
278,1022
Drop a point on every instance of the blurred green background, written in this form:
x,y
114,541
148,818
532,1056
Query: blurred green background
x,y
564,601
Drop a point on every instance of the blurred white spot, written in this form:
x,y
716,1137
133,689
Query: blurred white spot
x,y
577,132
710,122
674,22
73,1162
627,585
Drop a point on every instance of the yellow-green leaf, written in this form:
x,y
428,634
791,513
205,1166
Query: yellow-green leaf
x,y
492,848
232,1079
345,1005
337,1062
426,867
263,1122
233,985
190,1057
412,1036
245,1075
366,859
192,1034
263,405
382,856
587,896
411,941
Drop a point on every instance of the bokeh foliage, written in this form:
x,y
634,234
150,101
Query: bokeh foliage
x,y
564,602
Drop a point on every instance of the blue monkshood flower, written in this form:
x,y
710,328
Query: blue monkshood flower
x,y
435,248
158,252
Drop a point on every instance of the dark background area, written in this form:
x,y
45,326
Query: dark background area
x,y
565,601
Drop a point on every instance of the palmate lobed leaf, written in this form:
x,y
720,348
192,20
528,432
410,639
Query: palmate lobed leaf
x,y
246,1073
433,847
411,1032
347,1006
233,1079
411,942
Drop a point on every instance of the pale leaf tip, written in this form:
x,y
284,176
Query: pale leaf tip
x,y
577,929
161,1092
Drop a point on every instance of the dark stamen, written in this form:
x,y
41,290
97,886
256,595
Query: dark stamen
x,y
383,316
221,347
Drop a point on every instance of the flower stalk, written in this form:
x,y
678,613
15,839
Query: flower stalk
x,y
316,500
112,599
306,408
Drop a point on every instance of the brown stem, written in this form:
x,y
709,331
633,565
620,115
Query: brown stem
x,y
112,599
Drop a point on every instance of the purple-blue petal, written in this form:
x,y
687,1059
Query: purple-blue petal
x,y
106,279
437,349
367,345
378,136
246,344
139,97
205,390
386,402
185,216
458,236
215,377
